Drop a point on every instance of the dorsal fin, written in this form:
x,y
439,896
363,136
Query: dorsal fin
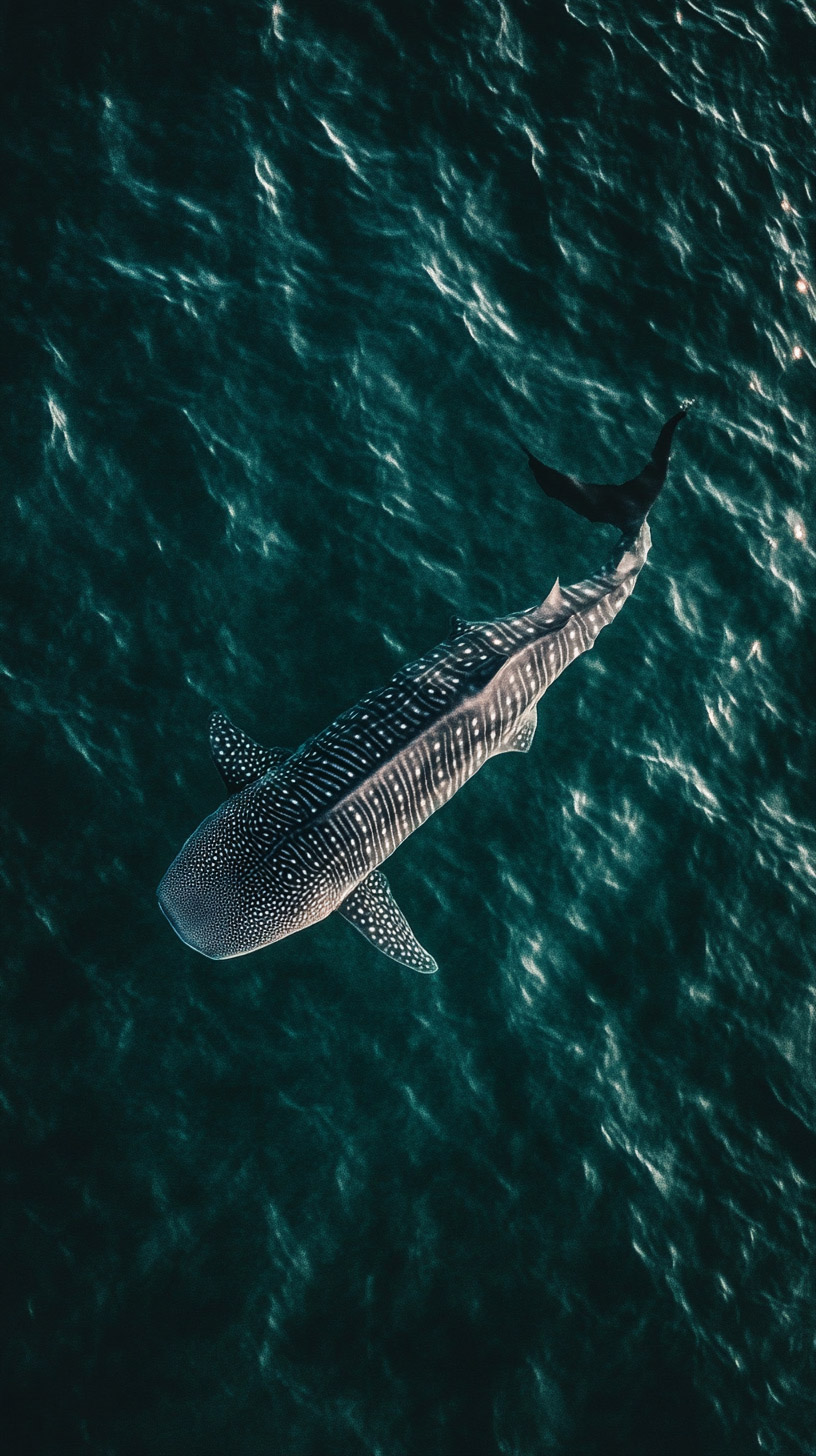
x,y
238,758
458,625
554,600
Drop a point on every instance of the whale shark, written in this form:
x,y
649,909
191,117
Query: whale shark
x,y
303,833
626,505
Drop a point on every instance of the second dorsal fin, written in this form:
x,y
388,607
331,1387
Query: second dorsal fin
x,y
554,600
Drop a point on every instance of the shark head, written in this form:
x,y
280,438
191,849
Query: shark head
x,y
201,892
225,894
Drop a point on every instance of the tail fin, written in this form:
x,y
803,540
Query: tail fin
x,y
624,505
587,500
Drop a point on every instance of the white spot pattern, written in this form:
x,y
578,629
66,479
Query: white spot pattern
x,y
372,909
303,832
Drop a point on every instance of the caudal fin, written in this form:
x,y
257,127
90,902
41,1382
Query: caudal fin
x,y
565,488
624,505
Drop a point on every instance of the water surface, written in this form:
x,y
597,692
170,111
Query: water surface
x,y
286,286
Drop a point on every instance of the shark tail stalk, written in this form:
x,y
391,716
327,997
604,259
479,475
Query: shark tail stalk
x,y
596,601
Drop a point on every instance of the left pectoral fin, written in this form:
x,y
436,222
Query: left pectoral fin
x,y
372,909
239,760
524,734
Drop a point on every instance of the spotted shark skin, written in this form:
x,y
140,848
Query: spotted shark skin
x,y
303,833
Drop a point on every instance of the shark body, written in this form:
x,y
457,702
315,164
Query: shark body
x,y
304,833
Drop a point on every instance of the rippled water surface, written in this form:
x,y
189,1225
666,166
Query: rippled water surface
x,y
286,286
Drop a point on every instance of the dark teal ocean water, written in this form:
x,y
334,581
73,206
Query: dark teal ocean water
x,y
284,285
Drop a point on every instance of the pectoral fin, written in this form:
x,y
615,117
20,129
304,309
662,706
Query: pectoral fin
x,y
239,760
372,910
524,734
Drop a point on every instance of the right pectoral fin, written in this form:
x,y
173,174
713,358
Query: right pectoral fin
x,y
372,909
238,758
